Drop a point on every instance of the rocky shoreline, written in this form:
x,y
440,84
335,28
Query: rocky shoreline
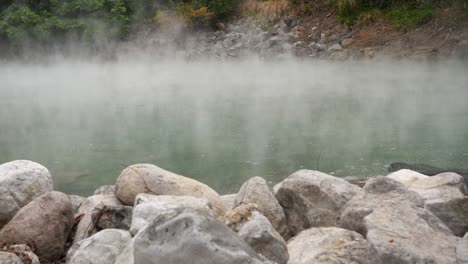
x,y
152,215
305,38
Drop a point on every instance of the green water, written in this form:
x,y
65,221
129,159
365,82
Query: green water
x,y
222,123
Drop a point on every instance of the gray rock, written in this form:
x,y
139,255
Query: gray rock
x,y
126,256
377,192
101,248
114,217
340,55
284,26
186,236
76,201
313,199
462,251
335,47
45,222
399,233
264,239
328,245
148,178
228,200
9,258
88,211
22,251
148,207
256,191
105,189
347,42
21,181
444,195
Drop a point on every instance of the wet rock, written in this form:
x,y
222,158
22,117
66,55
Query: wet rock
x,y
399,233
45,222
21,181
23,252
377,192
328,245
9,258
148,178
90,209
313,199
444,195
114,217
256,191
76,201
264,239
101,248
105,189
186,236
148,207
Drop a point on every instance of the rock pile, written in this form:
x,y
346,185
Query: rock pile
x,y
155,216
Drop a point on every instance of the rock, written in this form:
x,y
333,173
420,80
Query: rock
x,y
313,199
21,181
9,258
284,26
45,222
256,191
340,55
23,252
264,239
461,51
444,195
335,47
369,52
89,210
238,216
126,256
186,236
347,42
228,200
462,251
328,245
399,233
76,201
377,192
101,248
147,178
114,217
148,207
105,189
356,180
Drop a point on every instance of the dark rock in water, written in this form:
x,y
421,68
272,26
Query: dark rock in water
x,y
427,169
115,217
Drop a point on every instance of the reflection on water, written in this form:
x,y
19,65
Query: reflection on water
x,y
223,123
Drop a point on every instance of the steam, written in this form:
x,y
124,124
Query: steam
x,y
223,122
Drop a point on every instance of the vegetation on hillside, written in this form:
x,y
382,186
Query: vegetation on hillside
x,y
44,21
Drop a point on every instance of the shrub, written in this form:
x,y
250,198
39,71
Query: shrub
x,y
412,17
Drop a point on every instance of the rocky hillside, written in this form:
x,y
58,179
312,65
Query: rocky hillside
x,y
269,29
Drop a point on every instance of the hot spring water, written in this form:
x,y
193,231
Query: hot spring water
x,y
222,123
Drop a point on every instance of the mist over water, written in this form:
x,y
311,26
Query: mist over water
x,y
224,122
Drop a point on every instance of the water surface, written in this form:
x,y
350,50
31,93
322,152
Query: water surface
x,y
222,123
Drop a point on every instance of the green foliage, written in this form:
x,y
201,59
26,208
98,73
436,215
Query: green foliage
x,y
45,20
411,17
